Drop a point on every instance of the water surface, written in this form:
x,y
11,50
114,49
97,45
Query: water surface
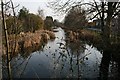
x,y
58,59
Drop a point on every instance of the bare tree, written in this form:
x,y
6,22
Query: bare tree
x,y
6,41
5,7
41,13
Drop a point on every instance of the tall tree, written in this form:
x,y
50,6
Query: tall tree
x,y
76,18
23,17
35,22
29,21
23,13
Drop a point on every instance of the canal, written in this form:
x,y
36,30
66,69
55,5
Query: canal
x,y
58,59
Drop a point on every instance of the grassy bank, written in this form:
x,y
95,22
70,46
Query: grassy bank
x,y
91,36
28,41
88,36
83,34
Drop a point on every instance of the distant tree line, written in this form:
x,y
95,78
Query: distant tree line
x,y
28,22
25,22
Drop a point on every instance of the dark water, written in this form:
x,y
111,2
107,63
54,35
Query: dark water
x,y
58,59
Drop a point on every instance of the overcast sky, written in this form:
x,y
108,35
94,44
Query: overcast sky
x,y
33,5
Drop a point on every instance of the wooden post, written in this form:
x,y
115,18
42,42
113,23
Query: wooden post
x,y
6,41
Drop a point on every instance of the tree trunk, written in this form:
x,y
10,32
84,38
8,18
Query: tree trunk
x,y
104,67
6,41
107,29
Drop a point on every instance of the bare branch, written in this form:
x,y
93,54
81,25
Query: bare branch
x,y
64,5
14,7
95,15
7,3
97,8
115,14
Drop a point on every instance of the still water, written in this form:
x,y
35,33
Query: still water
x,y
58,59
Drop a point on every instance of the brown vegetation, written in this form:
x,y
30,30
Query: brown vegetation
x,y
83,35
29,40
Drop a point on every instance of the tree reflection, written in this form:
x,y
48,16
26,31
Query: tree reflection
x,y
76,47
25,52
77,50
110,63
104,67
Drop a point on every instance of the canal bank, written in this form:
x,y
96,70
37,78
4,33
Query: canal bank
x,y
28,40
58,59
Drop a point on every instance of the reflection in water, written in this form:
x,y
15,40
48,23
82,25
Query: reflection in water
x,y
104,67
110,64
60,59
